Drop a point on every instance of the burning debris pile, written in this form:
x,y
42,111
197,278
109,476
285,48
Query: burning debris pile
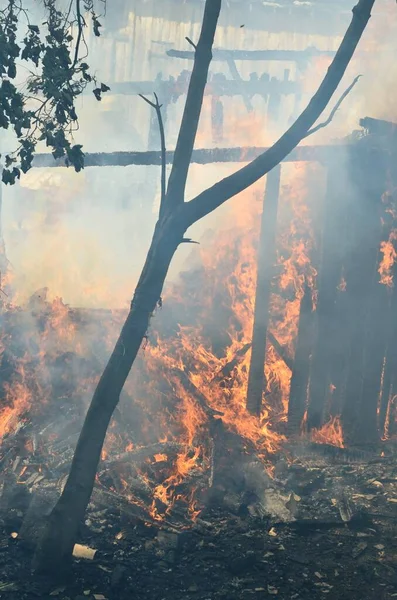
x,y
328,526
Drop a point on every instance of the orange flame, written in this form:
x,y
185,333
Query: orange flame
x,y
388,250
330,433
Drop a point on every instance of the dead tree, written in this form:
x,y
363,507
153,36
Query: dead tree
x,y
54,550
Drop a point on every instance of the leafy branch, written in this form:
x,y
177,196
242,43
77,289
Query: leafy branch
x,y
60,76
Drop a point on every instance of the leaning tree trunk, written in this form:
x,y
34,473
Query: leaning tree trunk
x,y
56,545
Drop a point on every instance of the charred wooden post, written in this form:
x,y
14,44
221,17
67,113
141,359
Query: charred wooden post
x,y
338,363
327,343
364,299
301,369
237,77
389,382
3,256
274,105
216,432
266,259
217,120
374,361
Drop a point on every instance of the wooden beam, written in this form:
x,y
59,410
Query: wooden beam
x,y
200,156
223,55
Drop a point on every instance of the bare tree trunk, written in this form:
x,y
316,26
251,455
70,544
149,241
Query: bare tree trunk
x,y
266,260
56,545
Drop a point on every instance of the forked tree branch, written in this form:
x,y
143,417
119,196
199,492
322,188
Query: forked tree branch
x,y
335,109
157,107
225,189
193,105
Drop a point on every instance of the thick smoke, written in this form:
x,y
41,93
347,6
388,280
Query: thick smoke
x,y
84,236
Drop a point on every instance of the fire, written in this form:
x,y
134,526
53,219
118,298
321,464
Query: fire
x,y
391,416
389,253
160,457
330,433
18,399
342,284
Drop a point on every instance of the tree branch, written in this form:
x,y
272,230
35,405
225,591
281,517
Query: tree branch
x,y
335,109
80,25
189,41
157,107
194,101
225,189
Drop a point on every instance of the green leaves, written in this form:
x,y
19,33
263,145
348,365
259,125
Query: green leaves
x,y
75,157
12,70
96,25
46,110
100,90
33,47
10,176
26,154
